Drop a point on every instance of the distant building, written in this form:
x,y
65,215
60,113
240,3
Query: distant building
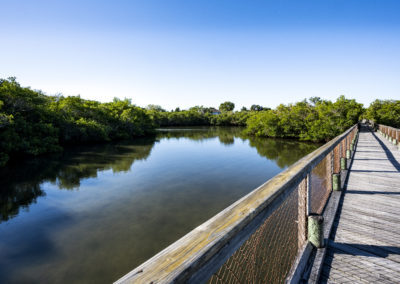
x,y
215,111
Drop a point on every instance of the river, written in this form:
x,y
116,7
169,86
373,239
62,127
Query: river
x,y
91,214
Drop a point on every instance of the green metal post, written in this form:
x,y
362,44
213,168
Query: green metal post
x,y
343,163
348,154
336,182
316,230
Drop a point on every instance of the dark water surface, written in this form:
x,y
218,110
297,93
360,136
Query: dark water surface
x,y
92,214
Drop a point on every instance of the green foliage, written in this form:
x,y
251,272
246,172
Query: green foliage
x,y
238,118
319,120
385,112
256,108
315,100
26,126
155,108
190,117
32,123
265,124
314,120
227,106
331,119
198,117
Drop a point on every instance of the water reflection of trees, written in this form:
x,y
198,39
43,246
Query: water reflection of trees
x,y
285,152
201,133
20,182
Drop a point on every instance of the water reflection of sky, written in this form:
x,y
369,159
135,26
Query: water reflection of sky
x,y
121,204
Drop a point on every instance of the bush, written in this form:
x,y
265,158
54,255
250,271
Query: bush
x,y
319,121
384,112
32,123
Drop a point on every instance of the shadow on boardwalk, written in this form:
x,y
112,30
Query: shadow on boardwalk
x,y
388,153
364,246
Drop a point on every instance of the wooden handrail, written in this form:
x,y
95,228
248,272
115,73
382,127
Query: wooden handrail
x,y
394,128
393,133
196,256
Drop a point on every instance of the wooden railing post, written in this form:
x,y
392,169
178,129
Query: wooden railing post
x,y
394,140
302,213
308,194
398,139
329,170
390,133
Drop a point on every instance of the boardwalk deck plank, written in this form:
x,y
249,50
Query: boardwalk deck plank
x,y
364,246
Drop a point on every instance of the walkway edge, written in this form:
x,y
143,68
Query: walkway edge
x,y
300,264
329,217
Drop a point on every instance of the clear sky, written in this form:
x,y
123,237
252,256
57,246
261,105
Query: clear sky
x,y
191,52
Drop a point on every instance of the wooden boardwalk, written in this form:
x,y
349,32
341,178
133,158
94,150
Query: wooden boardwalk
x,y
364,246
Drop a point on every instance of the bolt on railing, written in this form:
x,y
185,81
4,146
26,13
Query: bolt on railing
x,y
259,237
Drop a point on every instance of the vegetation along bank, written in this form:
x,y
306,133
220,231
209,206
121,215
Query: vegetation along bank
x,y
32,123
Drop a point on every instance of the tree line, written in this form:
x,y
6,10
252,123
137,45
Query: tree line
x,y
320,120
308,120
385,112
32,123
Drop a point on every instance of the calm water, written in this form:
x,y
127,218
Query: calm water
x,y
92,214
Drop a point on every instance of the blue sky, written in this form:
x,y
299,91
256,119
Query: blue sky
x,y
189,52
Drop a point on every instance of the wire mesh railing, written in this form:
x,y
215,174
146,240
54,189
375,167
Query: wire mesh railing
x,y
320,188
267,255
258,238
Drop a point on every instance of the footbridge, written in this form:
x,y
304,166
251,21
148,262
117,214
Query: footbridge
x,y
334,216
